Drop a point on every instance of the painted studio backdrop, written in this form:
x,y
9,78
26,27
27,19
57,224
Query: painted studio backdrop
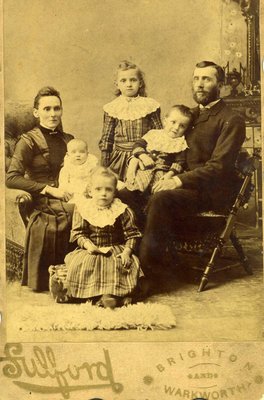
x,y
75,46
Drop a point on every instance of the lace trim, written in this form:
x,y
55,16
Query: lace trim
x,y
131,108
97,216
159,140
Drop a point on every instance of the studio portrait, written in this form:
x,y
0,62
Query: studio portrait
x,y
133,185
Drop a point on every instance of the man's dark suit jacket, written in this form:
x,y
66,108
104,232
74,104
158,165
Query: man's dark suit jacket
x,y
214,143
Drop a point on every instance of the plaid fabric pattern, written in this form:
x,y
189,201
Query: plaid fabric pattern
x,y
164,162
145,180
124,231
92,275
105,158
120,131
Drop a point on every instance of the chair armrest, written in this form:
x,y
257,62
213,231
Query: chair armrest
x,y
246,164
15,224
211,214
24,202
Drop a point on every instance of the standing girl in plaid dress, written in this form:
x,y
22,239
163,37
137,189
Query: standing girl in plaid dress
x,y
103,267
127,118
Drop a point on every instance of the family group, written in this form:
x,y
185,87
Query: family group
x,y
110,220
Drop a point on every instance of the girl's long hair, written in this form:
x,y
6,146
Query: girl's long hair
x,y
126,65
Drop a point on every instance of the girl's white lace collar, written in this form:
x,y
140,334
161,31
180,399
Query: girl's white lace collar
x,y
131,108
98,216
159,140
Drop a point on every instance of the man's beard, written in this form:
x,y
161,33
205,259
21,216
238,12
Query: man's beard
x,y
206,97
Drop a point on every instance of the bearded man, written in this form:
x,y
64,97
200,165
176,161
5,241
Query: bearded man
x,y
214,143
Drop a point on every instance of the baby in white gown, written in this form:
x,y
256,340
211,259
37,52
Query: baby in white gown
x,y
78,164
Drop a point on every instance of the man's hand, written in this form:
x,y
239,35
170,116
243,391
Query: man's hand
x,y
58,193
167,184
168,175
146,160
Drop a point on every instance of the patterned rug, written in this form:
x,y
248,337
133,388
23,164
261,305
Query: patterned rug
x,y
59,317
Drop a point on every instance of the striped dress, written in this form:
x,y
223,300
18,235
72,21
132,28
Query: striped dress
x,y
91,275
126,119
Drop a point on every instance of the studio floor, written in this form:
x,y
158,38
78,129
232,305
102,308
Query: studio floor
x,y
230,309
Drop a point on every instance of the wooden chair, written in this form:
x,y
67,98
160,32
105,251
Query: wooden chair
x,y
213,231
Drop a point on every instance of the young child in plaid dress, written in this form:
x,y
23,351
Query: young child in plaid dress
x,y
160,153
103,267
127,118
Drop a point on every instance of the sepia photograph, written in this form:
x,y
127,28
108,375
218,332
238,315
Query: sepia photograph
x,y
132,150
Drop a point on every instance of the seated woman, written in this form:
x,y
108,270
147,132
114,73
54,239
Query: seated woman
x,y
35,167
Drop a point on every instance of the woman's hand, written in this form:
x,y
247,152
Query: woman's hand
x,y
58,193
90,247
126,258
146,160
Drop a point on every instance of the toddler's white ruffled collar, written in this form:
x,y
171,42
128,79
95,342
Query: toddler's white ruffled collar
x,y
98,216
131,108
159,140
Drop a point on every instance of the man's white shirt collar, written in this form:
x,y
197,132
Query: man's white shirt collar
x,y
209,105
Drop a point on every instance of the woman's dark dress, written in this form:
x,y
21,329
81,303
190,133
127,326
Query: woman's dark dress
x,y
36,163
